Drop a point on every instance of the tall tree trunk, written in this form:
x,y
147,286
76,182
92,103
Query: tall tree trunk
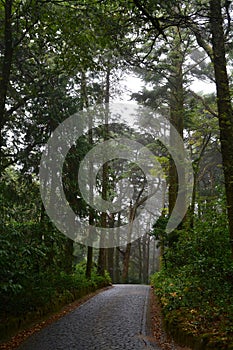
x,y
91,219
225,112
102,260
126,260
69,249
116,278
140,260
126,256
154,262
146,245
89,261
117,253
144,254
5,71
85,104
196,166
176,113
193,201
110,265
111,251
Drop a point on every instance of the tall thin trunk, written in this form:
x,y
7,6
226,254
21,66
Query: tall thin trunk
x,y
126,257
126,260
193,201
144,254
117,253
85,104
111,251
116,278
195,181
176,113
140,260
154,265
146,246
5,70
89,261
69,249
225,112
102,260
110,266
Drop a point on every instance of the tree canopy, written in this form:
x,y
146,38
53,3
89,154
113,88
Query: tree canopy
x,y
60,57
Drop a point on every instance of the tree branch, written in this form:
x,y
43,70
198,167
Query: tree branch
x,y
205,104
154,21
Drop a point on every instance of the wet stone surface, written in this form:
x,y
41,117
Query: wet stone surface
x,y
114,319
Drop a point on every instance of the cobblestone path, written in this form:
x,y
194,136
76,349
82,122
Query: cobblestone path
x,y
113,319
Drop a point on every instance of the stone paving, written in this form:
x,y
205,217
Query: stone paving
x,y
114,319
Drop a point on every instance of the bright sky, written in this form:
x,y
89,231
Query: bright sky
x,y
135,84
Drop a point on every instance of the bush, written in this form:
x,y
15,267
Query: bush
x,y
195,287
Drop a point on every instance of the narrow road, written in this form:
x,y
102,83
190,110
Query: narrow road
x,y
113,319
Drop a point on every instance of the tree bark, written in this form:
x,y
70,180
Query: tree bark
x,y
196,166
126,259
85,104
5,70
102,260
69,249
176,114
225,114
111,251
140,260
145,251
110,266
117,253
89,262
126,256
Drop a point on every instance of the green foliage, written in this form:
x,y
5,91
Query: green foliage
x,y
196,285
33,254
25,287
96,279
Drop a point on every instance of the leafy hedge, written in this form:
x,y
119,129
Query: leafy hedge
x,y
46,294
33,281
195,286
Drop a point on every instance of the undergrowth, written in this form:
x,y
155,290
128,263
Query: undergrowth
x,y
195,284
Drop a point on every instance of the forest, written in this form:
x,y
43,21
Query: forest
x,y
58,58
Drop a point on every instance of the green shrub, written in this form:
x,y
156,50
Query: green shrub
x,y
195,286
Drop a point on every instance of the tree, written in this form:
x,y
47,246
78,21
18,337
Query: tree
x,y
203,142
167,76
225,111
207,32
